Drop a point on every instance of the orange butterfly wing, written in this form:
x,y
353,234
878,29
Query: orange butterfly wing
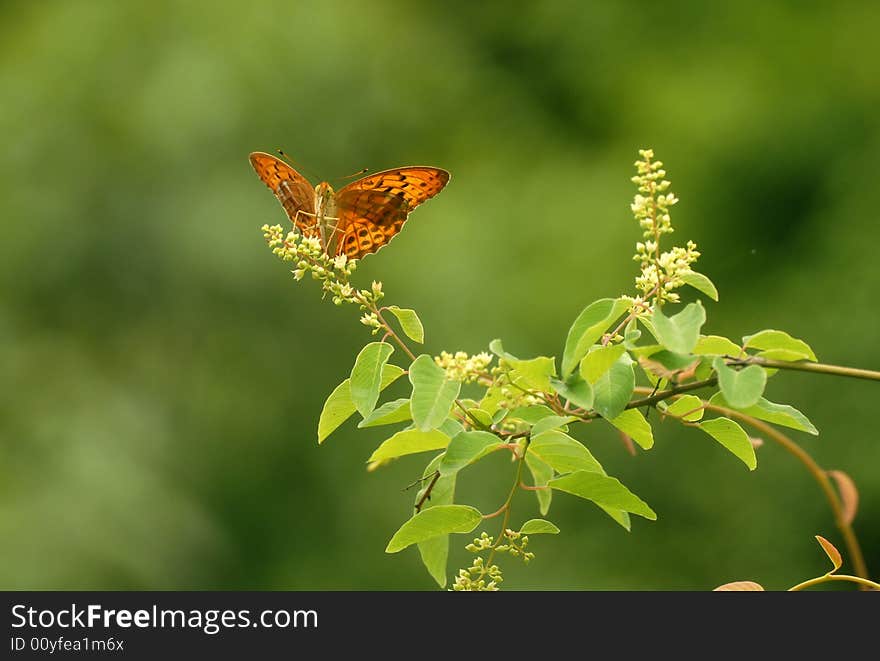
x,y
293,190
372,210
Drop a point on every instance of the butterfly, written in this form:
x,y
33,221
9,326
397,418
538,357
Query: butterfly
x,y
361,217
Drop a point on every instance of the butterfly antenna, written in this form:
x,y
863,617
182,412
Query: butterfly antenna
x,y
294,164
353,175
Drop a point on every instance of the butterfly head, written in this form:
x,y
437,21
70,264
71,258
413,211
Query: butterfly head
x,y
324,193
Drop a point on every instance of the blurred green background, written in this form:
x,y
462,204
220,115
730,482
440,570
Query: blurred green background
x,y
163,373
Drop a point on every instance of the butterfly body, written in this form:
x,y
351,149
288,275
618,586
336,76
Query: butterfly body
x,y
360,218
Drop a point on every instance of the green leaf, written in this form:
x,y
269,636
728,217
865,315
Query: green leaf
x,y
542,473
433,394
589,326
619,516
742,388
704,369
409,441
782,354
612,391
433,522
451,427
600,359
366,376
673,361
435,551
533,374
562,452
701,283
491,402
631,334
632,423
467,448
780,414
680,332
732,437
716,345
388,414
531,414
551,422
338,408
481,416
780,342
565,455
688,407
575,390
409,322
649,326
496,347
539,527
603,490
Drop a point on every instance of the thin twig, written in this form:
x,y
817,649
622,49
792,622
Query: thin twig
x,y
807,366
818,473
427,494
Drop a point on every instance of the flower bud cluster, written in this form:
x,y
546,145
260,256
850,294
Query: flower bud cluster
x,y
473,579
664,272
308,256
511,396
516,546
661,272
462,367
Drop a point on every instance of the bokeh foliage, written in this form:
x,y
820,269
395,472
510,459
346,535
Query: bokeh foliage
x,y
163,376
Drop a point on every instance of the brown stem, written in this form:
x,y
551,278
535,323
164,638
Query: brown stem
x,y
659,396
427,494
632,315
818,473
390,331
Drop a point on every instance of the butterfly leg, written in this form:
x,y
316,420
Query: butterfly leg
x,y
335,227
296,220
310,230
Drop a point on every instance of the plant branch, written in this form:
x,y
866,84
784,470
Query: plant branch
x,y
818,473
658,396
862,582
806,366
506,509
427,495
632,315
390,331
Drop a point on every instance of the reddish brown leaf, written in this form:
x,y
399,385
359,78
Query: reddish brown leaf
x,y
849,495
740,586
687,373
628,443
831,551
655,368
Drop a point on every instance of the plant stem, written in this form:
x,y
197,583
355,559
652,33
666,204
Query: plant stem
x,y
506,508
391,332
632,315
807,366
427,495
862,582
658,396
818,473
